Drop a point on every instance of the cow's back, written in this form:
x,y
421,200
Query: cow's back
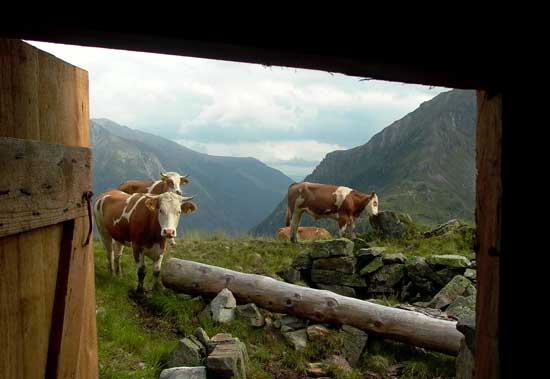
x,y
135,186
316,197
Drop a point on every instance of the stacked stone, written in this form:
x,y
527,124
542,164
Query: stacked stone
x,y
197,355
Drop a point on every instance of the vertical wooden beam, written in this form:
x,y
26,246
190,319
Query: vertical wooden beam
x,y
488,233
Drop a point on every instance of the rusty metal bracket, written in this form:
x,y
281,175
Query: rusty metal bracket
x,y
87,196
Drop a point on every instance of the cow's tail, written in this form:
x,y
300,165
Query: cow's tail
x,y
287,220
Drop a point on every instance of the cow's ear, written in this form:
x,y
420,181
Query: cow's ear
x,y
188,207
151,204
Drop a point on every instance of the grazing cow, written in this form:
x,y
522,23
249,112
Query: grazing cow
x,y
327,201
141,221
169,181
304,233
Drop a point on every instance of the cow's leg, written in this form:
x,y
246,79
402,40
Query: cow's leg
x,y
343,224
294,223
139,258
117,252
158,252
352,228
108,245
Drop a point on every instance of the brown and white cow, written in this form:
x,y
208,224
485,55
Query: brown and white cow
x,y
328,201
304,233
169,182
141,221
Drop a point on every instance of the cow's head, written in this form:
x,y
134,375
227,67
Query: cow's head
x,y
168,206
371,209
174,181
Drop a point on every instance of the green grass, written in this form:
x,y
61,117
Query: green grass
x,y
132,334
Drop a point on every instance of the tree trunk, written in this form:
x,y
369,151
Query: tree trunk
x,y
318,305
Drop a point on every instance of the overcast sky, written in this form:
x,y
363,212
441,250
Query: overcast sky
x,y
288,118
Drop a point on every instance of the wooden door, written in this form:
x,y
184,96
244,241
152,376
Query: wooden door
x,y
47,293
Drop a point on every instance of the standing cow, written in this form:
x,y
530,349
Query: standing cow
x,y
327,201
141,221
169,182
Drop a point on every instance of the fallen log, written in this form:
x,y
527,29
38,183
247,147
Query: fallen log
x,y
318,305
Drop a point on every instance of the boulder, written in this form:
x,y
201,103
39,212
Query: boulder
x,y
393,258
448,261
467,326
290,275
359,243
462,307
222,308
331,248
297,339
219,339
291,322
447,227
444,276
353,343
227,360
335,277
302,261
459,286
318,333
421,274
374,265
341,290
365,256
184,373
470,274
465,362
387,277
341,264
186,353
201,335
251,314
388,225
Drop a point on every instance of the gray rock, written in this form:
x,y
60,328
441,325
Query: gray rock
x,y
444,276
422,275
459,286
388,225
251,314
331,248
184,373
291,322
285,329
374,265
341,290
387,277
359,243
341,264
465,362
302,261
297,339
223,306
201,335
290,275
448,261
219,339
353,343
184,296
447,227
339,278
470,274
186,353
467,326
318,333
365,256
227,360
462,307
393,258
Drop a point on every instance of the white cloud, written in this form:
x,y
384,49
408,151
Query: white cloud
x,y
229,108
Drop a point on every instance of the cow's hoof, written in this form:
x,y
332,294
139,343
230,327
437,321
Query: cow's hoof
x,y
157,288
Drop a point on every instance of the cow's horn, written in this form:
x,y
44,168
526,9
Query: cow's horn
x,y
187,198
162,174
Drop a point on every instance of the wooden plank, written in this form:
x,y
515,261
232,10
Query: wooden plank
x,y
11,327
45,186
488,233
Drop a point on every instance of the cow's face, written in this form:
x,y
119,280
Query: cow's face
x,y
174,181
371,209
169,207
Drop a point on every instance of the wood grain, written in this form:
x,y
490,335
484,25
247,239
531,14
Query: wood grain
x,y
317,305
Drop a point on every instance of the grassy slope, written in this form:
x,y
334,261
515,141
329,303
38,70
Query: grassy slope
x,y
135,335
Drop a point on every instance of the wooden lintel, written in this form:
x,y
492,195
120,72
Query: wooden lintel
x,y
41,184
